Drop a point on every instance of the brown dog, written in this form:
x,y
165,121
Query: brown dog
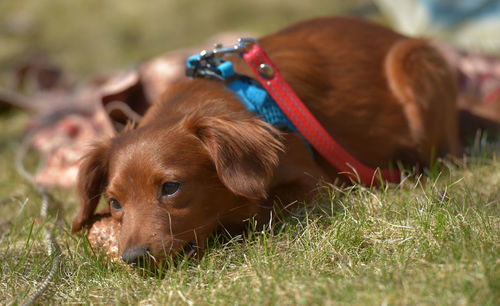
x,y
198,160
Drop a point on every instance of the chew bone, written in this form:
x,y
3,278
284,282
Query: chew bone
x,y
103,236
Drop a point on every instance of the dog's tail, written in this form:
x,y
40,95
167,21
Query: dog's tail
x,y
421,80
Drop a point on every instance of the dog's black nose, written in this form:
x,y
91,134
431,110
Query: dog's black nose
x,y
135,256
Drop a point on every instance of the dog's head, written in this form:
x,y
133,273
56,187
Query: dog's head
x,y
172,184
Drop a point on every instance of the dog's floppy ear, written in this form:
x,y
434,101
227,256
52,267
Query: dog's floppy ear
x,y
92,179
245,152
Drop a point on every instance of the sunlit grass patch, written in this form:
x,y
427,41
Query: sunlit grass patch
x,y
433,239
427,240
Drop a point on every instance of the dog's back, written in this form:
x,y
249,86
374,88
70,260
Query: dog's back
x,y
381,95
199,160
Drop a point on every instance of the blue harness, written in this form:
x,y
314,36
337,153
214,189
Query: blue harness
x,y
251,94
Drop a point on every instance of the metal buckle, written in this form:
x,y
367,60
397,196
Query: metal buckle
x,y
242,45
209,63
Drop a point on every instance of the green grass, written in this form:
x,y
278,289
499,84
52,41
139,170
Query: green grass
x,y
430,241
433,241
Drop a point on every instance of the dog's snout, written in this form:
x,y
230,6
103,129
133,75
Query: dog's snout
x,y
135,256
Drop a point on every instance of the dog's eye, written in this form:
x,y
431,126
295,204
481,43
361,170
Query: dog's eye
x,y
115,204
170,188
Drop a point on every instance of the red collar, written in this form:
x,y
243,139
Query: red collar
x,y
210,64
270,78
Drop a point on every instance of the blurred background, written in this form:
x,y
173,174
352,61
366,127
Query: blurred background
x,y
90,36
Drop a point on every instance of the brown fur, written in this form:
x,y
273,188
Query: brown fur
x,y
382,96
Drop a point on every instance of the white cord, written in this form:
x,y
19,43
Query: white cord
x,y
49,239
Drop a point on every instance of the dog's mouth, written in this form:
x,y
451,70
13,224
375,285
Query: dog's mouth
x,y
150,262
189,250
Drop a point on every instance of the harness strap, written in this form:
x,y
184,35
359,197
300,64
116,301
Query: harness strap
x,y
310,128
